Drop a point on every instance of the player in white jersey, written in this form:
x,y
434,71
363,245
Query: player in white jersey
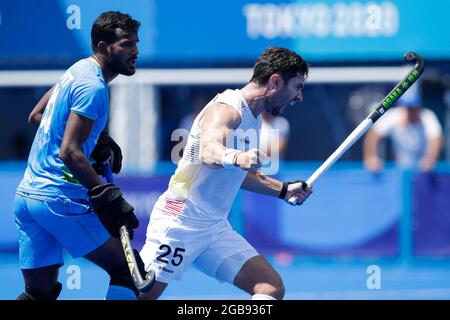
x,y
189,221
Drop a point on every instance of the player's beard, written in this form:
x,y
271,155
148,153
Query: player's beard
x,y
276,111
278,103
278,107
121,67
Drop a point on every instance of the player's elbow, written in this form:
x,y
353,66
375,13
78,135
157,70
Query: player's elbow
x,y
34,119
64,155
67,155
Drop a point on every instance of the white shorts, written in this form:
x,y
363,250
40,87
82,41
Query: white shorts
x,y
172,246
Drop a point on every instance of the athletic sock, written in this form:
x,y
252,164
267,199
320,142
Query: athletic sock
x,y
120,293
260,296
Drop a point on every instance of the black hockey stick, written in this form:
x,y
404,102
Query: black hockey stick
x,y
143,285
367,123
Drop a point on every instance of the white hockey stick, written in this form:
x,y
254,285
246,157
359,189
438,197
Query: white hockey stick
x,y
367,123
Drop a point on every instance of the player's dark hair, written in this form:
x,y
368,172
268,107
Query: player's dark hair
x,y
104,27
283,61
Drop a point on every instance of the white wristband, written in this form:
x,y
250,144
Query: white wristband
x,y
229,157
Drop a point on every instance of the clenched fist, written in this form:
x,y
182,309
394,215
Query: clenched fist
x,y
251,160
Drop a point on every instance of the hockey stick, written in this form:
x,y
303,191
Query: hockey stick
x,y
367,123
141,284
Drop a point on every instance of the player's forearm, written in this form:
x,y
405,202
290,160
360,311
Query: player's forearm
x,y
434,148
35,116
370,146
260,183
76,162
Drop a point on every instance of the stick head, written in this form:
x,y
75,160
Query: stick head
x,y
410,56
413,57
147,284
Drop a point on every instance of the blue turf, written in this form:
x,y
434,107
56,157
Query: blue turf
x,y
304,279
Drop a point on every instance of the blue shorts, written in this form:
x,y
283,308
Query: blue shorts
x,y
46,225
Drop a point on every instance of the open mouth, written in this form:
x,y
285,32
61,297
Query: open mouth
x,y
132,62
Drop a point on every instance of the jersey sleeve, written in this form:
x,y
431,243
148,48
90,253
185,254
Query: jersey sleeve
x,y
431,124
89,99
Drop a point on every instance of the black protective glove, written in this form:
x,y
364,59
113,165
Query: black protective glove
x,y
106,150
286,184
112,209
285,188
304,184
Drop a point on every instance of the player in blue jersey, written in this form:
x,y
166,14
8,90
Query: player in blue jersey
x,y
61,202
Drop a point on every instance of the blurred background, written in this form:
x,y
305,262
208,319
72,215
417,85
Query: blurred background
x,y
363,234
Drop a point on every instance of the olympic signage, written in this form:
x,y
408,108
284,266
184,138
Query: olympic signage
x,y
202,31
319,19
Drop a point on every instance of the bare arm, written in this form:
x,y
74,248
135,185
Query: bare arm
x,y
260,183
434,147
215,125
36,115
77,131
370,151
